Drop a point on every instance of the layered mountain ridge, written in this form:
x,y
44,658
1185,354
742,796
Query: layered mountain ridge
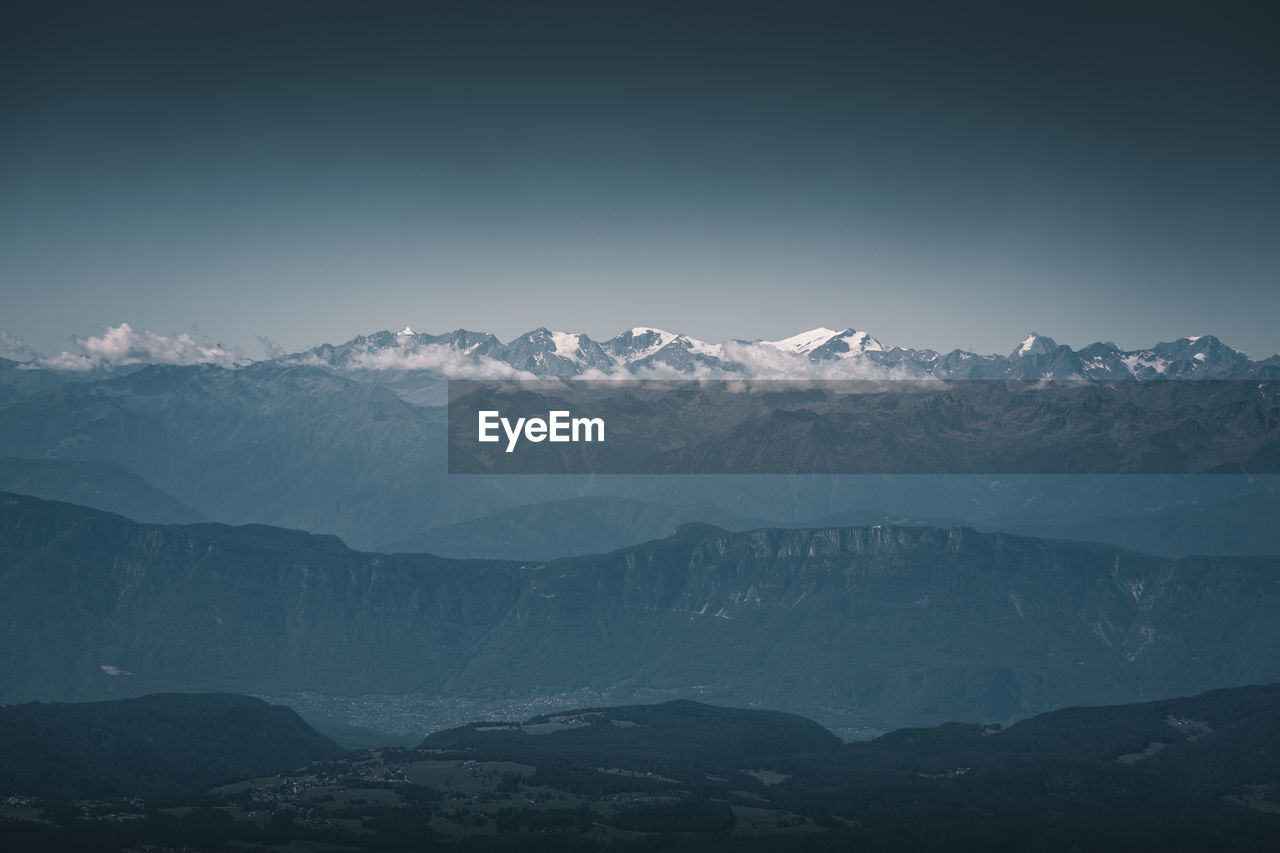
x,y
359,452
646,352
857,627
819,353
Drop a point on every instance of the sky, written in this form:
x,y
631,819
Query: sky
x,y
940,174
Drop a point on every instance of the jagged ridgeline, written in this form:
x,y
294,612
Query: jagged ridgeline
x,y
350,440
817,352
873,627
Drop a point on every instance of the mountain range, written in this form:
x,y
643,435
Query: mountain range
x,y
1194,773
360,453
866,603
818,353
644,352
1239,526
859,628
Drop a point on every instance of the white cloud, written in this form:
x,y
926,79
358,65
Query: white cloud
x,y
760,360
121,345
12,348
756,360
439,358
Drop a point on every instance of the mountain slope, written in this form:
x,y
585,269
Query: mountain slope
x,y
633,736
342,450
817,353
1182,521
690,776
164,743
297,446
858,627
102,485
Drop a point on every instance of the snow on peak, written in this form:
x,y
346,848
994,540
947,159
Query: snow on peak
x,y
640,331
827,342
698,347
1139,362
805,342
1208,342
640,343
566,345
860,342
1035,344
406,331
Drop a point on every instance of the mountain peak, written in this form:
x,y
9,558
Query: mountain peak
x,y
861,341
805,342
847,344
1034,344
566,344
647,351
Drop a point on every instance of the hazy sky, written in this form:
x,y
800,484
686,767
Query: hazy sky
x,y
944,175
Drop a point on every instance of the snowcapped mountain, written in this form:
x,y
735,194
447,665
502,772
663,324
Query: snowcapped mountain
x,y
546,353
412,361
805,342
405,350
1034,344
848,344
646,352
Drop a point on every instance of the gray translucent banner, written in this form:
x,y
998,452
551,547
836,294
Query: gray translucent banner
x,y
863,427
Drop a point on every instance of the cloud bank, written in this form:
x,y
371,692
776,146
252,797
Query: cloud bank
x,y
438,358
120,346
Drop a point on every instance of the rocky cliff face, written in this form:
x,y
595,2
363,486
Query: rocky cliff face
x,y
874,626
